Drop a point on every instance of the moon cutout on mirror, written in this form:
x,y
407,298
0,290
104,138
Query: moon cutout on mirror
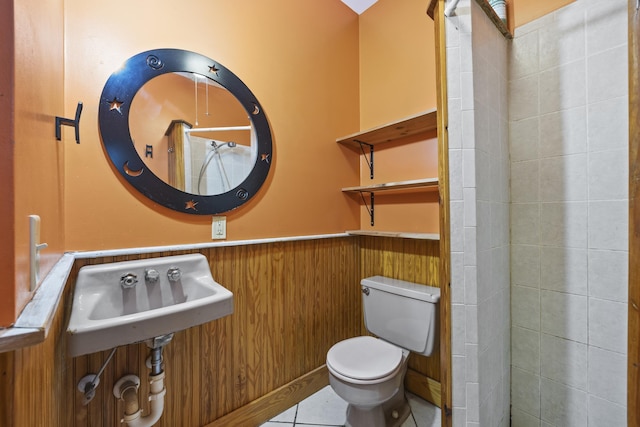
x,y
130,171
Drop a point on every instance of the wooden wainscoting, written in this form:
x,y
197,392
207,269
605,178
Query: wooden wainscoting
x,y
293,301
415,261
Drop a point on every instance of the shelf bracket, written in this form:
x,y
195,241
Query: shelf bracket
x,y
369,206
370,159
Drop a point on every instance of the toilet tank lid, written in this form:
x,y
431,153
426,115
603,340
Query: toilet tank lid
x,y
404,288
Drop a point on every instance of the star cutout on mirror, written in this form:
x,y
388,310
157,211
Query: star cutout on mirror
x,y
115,105
191,204
265,157
213,69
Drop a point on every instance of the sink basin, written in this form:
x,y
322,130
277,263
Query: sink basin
x,y
131,301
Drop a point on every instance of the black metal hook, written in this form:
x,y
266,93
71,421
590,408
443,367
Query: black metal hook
x,y
68,122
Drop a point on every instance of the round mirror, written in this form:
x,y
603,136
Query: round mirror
x,y
185,131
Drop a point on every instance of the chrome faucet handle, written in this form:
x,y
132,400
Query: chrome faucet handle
x,y
174,274
128,281
151,275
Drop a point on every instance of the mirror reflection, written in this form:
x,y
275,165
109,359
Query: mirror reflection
x,y
192,133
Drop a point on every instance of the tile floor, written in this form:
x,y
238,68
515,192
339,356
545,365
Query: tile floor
x,y
325,408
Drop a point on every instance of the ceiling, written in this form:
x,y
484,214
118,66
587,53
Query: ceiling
x,y
359,6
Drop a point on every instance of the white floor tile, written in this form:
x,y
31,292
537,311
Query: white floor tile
x,y
288,416
326,409
272,424
323,408
425,413
410,422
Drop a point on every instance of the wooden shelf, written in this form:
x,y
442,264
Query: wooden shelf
x,y
403,235
414,125
416,184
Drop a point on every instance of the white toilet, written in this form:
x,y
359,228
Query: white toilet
x,y
368,372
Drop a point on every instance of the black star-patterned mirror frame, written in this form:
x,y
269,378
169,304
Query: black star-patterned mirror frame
x,y
113,117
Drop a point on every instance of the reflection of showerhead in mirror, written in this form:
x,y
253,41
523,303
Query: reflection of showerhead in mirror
x,y
216,147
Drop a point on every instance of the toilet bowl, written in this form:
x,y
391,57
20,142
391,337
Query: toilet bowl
x,y
368,372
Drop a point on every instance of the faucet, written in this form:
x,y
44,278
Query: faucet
x,y
174,274
128,281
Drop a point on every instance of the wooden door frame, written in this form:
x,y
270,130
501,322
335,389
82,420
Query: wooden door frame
x,y
436,11
633,341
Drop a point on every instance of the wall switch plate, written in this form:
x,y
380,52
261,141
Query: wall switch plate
x,y
219,227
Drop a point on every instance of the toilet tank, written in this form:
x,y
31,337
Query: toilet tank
x,y
400,312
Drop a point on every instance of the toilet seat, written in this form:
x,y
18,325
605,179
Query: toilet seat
x,y
364,360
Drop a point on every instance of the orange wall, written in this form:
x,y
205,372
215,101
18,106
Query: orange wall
x,y
32,159
397,80
301,61
397,62
528,10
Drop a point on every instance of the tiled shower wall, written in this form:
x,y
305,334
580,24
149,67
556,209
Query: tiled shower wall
x,y
479,181
568,124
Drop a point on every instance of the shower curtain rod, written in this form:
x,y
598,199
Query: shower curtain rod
x,y
218,129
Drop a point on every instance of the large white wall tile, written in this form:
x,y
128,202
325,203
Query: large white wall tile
x,y
603,34
453,71
454,130
470,247
563,132
500,225
564,270
608,325
563,41
525,223
471,285
563,224
457,278
608,375
459,395
456,217
608,173
562,87
608,124
473,403
525,352
525,181
523,98
458,334
524,56
608,275
563,361
522,419
609,225
525,391
607,74
564,315
525,307
525,265
562,405
603,413
468,168
563,178
455,175
524,138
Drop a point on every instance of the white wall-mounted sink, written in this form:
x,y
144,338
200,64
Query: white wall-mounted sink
x,y
132,301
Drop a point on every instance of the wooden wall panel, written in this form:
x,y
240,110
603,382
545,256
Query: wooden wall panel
x,y
292,302
633,333
415,261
